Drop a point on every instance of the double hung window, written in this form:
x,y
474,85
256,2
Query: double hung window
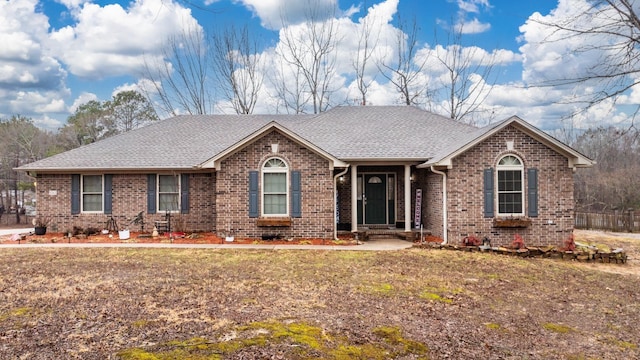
x,y
275,187
92,193
510,186
168,193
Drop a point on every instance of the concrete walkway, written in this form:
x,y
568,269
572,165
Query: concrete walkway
x,y
377,244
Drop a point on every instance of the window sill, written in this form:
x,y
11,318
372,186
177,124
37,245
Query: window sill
x,y
274,221
511,222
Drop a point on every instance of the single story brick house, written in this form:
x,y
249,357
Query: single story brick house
x,y
310,176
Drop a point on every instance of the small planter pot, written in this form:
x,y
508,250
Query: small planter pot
x,y
40,230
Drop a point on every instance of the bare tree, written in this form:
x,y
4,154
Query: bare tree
x,y
310,49
236,58
288,83
23,142
405,72
613,182
609,29
362,57
180,80
468,78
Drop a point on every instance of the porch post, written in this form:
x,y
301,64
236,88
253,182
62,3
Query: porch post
x,y
407,198
354,198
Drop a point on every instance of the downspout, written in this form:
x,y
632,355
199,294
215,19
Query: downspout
x,y
444,203
335,192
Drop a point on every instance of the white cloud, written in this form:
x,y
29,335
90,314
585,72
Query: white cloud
x,y
472,6
111,40
552,54
73,4
273,13
473,27
83,98
31,79
554,59
633,98
462,24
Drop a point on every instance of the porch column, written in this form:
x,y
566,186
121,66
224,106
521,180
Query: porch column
x,y
354,198
407,198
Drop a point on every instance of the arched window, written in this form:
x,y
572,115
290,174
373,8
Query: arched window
x,y
275,185
510,190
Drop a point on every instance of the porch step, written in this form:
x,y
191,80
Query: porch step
x,y
366,234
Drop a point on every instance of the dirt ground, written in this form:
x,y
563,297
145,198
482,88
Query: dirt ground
x,y
71,303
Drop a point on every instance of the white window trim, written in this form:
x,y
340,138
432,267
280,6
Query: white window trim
x,y
82,194
497,185
281,170
158,194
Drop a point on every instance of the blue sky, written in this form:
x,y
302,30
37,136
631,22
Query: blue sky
x,y
60,54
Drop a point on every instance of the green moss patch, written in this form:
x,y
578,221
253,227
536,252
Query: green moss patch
x,y
557,328
305,340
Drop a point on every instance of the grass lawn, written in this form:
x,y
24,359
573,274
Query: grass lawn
x,y
61,303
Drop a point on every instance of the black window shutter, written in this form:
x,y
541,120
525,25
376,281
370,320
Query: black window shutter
x,y
296,201
108,194
75,194
184,194
532,191
151,193
253,194
488,193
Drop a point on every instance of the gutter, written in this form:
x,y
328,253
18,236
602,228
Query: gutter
x,y
444,203
335,192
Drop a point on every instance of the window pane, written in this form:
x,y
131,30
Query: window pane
x,y
92,183
275,183
168,183
510,161
510,203
275,163
509,180
275,204
168,202
92,202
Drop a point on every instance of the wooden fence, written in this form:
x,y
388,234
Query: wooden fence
x,y
8,220
618,221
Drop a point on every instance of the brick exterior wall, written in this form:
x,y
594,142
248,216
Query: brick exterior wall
x,y
129,197
219,201
555,219
232,191
432,216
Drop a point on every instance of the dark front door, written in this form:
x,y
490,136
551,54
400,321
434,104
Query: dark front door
x,y
375,199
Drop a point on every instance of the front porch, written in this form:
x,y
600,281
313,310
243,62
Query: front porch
x,y
365,233
376,200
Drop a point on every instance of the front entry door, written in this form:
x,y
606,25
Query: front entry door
x,y
375,198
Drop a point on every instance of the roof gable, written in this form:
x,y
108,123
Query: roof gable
x,y
445,157
216,160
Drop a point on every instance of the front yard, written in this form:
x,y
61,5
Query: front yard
x,y
291,304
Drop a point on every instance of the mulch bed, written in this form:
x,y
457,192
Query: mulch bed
x,y
176,238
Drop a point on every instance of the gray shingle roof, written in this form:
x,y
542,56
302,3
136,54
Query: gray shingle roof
x,y
347,133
